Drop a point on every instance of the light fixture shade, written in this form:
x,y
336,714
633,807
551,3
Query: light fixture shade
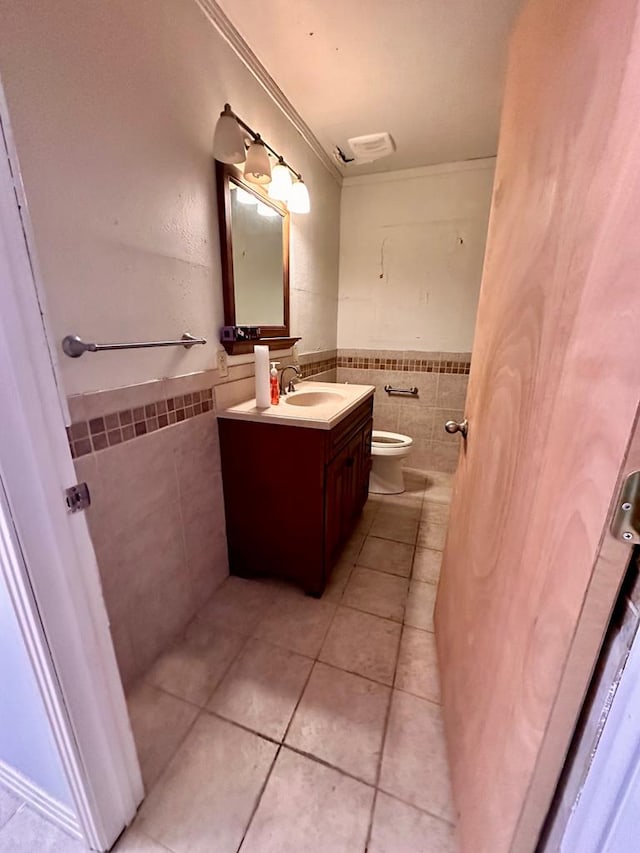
x,y
228,139
257,169
299,201
280,186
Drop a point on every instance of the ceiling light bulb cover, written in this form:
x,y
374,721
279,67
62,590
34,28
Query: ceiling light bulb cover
x,y
257,169
280,186
228,139
299,201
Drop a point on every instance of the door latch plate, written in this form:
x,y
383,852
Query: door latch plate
x,y
626,519
77,497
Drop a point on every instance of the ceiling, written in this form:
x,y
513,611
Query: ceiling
x,y
430,72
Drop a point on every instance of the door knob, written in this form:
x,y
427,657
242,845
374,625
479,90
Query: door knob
x,y
453,427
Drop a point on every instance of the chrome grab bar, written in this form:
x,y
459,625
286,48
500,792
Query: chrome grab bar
x,y
390,390
74,347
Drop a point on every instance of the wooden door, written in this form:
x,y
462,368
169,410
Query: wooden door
x,y
524,597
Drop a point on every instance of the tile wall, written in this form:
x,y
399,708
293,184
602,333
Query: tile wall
x,y
441,379
319,366
151,457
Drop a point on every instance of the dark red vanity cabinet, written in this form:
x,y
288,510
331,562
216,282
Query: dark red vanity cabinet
x,y
293,494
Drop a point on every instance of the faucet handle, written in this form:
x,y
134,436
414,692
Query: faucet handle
x,y
290,386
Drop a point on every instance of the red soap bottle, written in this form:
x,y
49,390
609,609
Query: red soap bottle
x,y
275,388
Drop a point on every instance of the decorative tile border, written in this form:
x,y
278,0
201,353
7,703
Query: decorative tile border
x,y
312,368
451,363
413,365
99,433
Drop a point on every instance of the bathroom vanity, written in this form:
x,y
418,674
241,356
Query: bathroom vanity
x,y
295,479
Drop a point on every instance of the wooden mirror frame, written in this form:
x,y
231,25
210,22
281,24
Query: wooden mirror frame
x,y
277,337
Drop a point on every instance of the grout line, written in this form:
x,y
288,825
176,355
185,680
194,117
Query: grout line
x,y
374,802
430,701
239,725
259,798
389,538
384,740
173,753
377,615
189,702
338,601
384,571
235,658
352,672
282,743
417,808
327,764
418,695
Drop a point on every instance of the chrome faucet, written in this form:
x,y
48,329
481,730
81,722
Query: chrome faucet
x,y
290,387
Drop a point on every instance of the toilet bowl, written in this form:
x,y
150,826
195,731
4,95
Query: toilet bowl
x,y
388,452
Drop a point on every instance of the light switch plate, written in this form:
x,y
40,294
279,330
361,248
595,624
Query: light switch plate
x,y
223,364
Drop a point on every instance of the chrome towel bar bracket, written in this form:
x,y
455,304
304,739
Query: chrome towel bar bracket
x,y
391,390
74,347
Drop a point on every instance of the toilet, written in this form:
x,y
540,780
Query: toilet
x,y
388,452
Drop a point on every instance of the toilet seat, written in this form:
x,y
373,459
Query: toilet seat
x,y
390,443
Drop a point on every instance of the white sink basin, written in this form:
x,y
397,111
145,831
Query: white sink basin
x,y
312,398
315,405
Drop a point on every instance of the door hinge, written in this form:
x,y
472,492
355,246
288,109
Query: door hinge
x,y
626,519
78,497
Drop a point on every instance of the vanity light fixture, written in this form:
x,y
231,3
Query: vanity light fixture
x,y
299,201
282,186
257,169
228,139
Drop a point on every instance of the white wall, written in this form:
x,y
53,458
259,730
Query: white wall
x,y
113,107
411,251
26,742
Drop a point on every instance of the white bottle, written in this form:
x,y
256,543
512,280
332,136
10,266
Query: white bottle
x,y
262,376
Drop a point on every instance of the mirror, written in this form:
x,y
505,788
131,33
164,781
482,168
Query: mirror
x,y
254,243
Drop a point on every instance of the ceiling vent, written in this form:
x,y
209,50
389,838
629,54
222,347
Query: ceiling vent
x,y
371,147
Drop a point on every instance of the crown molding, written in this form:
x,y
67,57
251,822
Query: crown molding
x,y
221,22
478,164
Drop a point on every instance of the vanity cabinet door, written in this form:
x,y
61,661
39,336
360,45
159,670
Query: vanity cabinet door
x,y
347,485
338,490
363,462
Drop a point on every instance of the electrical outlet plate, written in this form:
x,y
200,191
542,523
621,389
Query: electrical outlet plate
x,y
223,364
296,352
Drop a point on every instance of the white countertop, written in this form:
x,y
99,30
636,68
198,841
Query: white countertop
x,y
323,415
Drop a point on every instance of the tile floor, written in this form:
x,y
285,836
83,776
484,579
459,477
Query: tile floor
x,y
24,830
284,723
